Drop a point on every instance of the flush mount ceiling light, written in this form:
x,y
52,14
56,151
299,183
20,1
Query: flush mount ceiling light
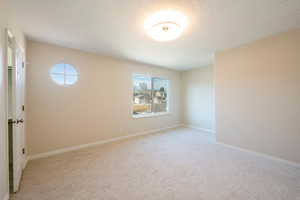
x,y
165,25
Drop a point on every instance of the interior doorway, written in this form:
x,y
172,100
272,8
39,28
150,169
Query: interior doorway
x,y
15,111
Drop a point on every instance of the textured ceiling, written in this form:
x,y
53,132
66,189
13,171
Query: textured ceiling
x,y
115,27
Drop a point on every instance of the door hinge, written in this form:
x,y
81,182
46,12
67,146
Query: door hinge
x,y
23,151
23,108
23,64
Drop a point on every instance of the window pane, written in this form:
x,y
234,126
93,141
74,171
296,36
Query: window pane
x,y
58,78
58,68
142,95
64,74
71,79
160,95
70,70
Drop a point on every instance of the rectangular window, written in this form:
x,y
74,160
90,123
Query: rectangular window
x,y
150,95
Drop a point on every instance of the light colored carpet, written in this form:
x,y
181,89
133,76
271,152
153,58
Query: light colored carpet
x,y
175,165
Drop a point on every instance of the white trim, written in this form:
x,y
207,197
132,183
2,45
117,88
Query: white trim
x,y
6,197
200,129
137,116
25,162
266,156
73,148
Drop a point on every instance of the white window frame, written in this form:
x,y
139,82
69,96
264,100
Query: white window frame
x,y
65,74
150,114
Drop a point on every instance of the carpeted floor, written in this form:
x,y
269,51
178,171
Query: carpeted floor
x,y
181,164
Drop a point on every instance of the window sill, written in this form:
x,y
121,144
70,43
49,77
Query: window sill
x,y
150,115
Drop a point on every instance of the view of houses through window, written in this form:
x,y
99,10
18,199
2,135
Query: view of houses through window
x,y
150,95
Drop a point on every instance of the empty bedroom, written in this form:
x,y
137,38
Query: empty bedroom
x,y
150,100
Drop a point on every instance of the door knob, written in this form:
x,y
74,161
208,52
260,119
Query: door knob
x,y
13,121
20,121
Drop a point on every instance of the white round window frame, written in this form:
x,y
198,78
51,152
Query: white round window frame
x,y
65,74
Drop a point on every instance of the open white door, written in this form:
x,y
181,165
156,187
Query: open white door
x,y
18,131
17,113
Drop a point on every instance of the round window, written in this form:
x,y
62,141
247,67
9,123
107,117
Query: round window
x,y
64,74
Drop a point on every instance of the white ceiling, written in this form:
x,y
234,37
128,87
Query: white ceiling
x,y
115,27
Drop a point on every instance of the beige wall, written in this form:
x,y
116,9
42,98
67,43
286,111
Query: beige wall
x,y
198,103
258,96
97,107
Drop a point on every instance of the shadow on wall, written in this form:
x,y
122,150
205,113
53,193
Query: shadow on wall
x,y
198,94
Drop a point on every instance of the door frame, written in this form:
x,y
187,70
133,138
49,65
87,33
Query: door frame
x,y
17,47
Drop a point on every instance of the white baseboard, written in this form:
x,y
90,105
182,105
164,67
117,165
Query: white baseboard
x,y
6,197
266,156
73,148
199,128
